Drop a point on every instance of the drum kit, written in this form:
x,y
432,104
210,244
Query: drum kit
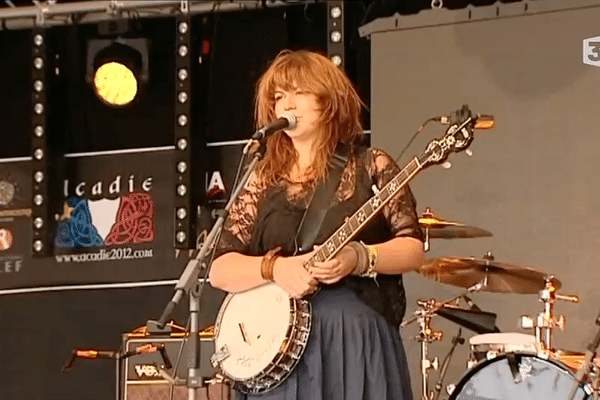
x,y
500,365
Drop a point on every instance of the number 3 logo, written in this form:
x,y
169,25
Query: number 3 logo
x,y
591,51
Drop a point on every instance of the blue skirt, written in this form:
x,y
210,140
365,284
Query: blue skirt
x,y
352,354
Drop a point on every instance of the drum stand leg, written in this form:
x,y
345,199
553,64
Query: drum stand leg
x,y
427,336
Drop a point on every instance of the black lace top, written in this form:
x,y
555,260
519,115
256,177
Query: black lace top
x,y
265,217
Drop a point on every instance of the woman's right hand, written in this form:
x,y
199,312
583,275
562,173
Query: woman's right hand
x,y
293,277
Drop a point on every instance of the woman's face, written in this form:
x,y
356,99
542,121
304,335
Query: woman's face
x,y
304,106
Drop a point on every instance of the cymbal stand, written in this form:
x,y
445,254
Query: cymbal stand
x,y
426,245
427,335
546,321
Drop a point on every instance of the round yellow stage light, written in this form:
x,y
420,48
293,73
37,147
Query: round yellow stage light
x,y
115,84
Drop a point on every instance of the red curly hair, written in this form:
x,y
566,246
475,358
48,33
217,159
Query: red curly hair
x,y
340,105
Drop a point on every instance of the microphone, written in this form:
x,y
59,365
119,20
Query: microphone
x,y
286,120
92,354
481,121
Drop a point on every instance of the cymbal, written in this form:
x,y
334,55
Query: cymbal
x,y
438,228
495,276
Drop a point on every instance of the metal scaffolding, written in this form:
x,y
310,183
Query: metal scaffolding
x,y
48,13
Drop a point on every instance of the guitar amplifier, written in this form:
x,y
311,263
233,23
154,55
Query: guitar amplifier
x,y
140,374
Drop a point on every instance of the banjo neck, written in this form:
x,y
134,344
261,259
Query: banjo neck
x,y
353,224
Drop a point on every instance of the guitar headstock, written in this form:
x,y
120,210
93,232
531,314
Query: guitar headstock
x,y
456,139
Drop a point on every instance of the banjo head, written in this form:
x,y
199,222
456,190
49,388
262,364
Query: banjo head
x,y
253,325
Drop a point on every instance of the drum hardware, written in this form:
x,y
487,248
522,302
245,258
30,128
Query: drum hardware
x,y
438,228
428,309
575,361
476,320
518,375
456,340
427,336
495,276
491,345
588,370
546,321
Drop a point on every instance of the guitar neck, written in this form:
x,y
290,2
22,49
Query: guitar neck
x,y
365,213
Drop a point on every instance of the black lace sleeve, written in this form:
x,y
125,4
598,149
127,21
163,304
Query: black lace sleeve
x,y
400,211
238,227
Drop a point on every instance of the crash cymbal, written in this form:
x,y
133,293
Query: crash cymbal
x,y
457,232
438,228
495,276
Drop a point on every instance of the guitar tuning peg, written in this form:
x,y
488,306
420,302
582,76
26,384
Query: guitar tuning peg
x,y
446,164
469,152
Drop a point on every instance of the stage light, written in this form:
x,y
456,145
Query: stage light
x,y
336,12
336,36
38,200
115,84
182,120
117,69
337,60
184,225
39,150
37,246
335,32
182,97
38,176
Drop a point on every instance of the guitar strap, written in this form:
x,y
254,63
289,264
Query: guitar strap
x,y
321,201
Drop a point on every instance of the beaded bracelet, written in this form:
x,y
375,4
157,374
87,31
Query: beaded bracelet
x,y
373,256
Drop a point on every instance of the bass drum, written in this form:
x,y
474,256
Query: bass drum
x,y
517,376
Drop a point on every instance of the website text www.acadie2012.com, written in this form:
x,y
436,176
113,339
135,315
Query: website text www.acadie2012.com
x,y
121,253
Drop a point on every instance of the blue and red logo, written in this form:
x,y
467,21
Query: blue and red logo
x,y
97,223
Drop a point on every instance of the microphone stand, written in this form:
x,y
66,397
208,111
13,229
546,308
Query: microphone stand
x,y
456,340
188,281
584,372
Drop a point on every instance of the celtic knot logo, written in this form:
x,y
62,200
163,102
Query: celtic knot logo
x,y
135,220
78,230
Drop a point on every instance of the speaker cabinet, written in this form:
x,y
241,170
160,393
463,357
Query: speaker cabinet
x,y
141,379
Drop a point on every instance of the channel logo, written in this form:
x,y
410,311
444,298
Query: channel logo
x,y
591,51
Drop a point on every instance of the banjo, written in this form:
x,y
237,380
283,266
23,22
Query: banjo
x,y
261,333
